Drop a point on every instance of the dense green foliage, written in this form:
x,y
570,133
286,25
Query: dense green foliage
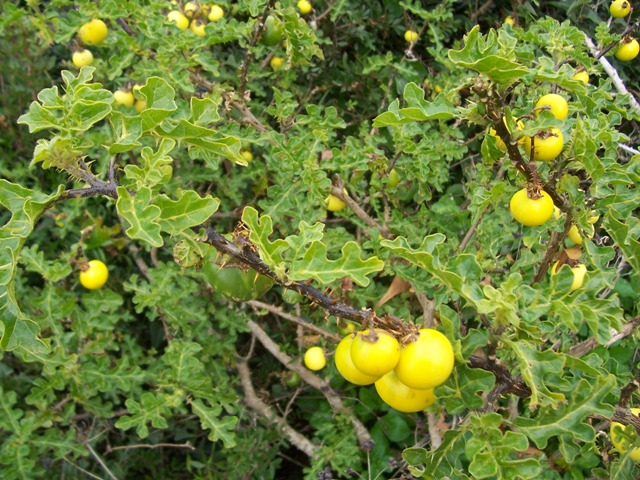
x,y
159,375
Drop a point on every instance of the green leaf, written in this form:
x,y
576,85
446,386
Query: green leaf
x,y
152,408
259,232
127,130
420,110
221,427
540,370
587,398
160,98
445,461
424,258
463,390
315,265
625,239
141,215
155,167
483,55
187,211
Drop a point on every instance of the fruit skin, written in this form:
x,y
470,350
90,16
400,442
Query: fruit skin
x,y
82,58
216,13
426,362
276,63
179,19
411,36
304,6
627,51
95,276
401,397
529,211
393,178
499,143
314,359
236,283
273,33
579,271
197,27
247,155
619,8
333,203
377,357
557,104
140,105
94,32
124,97
574,235
582,76
345,365
548,145
622,444
510,20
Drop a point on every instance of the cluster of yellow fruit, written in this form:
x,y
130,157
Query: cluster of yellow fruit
x,y
126,97
629,46
404,376
91,33
194,16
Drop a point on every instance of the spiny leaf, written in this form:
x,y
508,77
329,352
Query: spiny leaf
x,y
259,232
221,427
152,408
141,215
315,265
155,167
587,398
187,211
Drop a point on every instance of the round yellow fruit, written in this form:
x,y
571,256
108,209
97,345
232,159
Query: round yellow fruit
x,y
140,105
276,63
304,6
93,32
314,358
345,365
411,36
94,275
401,397
179,19
582,76
82,58
216,13
247,155
375,354
427,361
509,20
556,103
124,97
621,443
574,235
333,203
579,272
197,27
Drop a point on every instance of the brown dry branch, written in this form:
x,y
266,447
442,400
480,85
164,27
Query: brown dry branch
x,y
253,401
337,191
294,318
333,398
582,348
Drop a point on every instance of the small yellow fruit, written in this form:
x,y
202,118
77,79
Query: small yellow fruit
x,y
510,20
314,359
304,6
579,271
197,27
93,32
619,8
140,105
95,275
411,36
179,19
393,178
276,63
247,155
190,8
620,442
333,203
123,97
628,50
556,103
582,76
216,13
82,58
574,235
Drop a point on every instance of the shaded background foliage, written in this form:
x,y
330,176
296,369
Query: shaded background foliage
x,y
151,359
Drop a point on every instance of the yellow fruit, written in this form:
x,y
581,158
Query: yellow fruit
x,y
574,235
579,272
345,365
427,361
621,443
197,27
510,20
179,19
94,275
556,103
247,155
93,32
376,354
582,76
411,36
314,359
82,58
140,105
628,50
276,63
190,8
124,97
401,397
619,8
304,6
216,13
333,203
